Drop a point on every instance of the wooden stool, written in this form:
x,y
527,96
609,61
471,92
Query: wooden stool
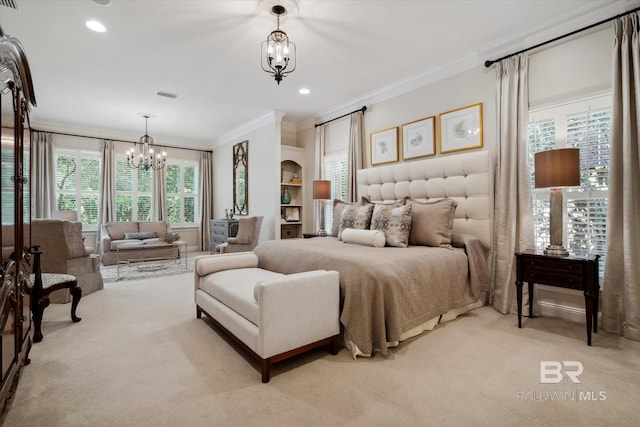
x,y
43,285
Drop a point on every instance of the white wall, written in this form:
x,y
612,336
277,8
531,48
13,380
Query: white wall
x,y
264,176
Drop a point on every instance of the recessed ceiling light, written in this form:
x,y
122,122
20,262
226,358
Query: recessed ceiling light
x,y
96,26
304,91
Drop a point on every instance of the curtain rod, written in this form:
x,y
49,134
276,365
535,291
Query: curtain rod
x,y
489,63
363,109
119,140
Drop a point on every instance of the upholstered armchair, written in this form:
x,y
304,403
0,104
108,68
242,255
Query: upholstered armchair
x,y
246,239
64,252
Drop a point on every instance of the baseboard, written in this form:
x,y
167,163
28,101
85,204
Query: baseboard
x,y
561,303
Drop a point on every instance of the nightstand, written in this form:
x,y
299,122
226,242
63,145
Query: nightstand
x,y
572,272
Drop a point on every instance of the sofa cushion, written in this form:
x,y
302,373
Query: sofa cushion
x,y
234,288
117,229
158,227
130,243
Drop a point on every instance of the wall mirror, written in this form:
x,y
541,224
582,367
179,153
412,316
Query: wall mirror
x,y
241,178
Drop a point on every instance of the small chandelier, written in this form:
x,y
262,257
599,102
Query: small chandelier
x,y
147,160
278,53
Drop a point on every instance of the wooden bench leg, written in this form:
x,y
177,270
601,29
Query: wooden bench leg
x,y
266,370
334,345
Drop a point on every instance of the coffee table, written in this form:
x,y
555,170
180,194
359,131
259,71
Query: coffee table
x,y
122,249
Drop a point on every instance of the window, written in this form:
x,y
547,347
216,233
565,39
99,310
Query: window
x,y
182,193
78,184
335,170
133,192
585,125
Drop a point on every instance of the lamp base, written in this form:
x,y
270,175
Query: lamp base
x,y
556,250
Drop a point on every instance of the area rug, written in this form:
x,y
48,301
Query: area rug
x,y
148,269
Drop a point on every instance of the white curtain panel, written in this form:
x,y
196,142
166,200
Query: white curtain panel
x,y
43,190
513,207
318,172
205,165
159,194
107,188
621,290
354,155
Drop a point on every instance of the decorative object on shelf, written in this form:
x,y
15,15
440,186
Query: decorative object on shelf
x,y
148,159
278,56
295,179
228,213
384,146
285,199
292,214
461,129
419,138
556,169
240,179
321,192
170,237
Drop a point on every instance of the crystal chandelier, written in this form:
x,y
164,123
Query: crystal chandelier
x,y
278,57
147,159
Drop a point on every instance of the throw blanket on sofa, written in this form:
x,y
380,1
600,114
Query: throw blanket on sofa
x,y
385,291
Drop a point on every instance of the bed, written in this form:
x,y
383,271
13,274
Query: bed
x,y
390,294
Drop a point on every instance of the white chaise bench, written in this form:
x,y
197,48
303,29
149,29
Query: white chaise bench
x,y
270,315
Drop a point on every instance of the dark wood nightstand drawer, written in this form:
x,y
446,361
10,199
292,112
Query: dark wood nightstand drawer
x,y
546,277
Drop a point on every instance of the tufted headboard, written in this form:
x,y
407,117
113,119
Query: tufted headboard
x,y
465,178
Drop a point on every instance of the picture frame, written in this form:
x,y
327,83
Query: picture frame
x,y
419,138
292,214
384,146
461,129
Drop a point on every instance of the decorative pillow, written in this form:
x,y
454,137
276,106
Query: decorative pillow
x,y
355,217
338,207
140,235
395,222
373,238
432,222
377,209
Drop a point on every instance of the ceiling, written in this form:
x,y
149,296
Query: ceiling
x,y
350,53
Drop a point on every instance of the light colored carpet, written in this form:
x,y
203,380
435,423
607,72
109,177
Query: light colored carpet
x,y
139,357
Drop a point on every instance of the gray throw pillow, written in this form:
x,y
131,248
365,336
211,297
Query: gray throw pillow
x,y
432,222
395,222
338,207
140,235
358,217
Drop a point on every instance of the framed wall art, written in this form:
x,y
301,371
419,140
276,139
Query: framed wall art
x,y
384,146
419,138
461,129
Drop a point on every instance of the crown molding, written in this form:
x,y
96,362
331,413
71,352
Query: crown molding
x,y
101,133
273,117
580,17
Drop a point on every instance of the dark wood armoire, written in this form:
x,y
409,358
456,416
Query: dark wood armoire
x,y
16,101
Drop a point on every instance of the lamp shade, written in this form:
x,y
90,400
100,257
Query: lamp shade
x,y
322,189
557,168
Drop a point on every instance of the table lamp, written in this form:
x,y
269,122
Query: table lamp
x,y
321,192
556,169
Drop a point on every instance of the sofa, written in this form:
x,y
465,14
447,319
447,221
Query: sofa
x,y
63,252
115,233
272,316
